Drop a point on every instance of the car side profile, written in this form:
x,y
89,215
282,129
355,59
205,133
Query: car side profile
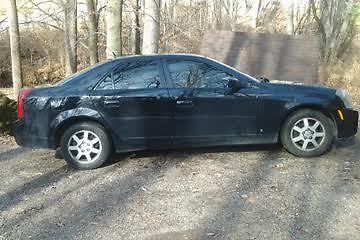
x,y
176,101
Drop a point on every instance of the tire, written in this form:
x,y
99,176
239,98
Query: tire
x,y
307,138
85,145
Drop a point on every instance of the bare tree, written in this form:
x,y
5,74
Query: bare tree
x,y
172,9
290,18
151,27
232,9
92,16
113,18
135,28
70,7
253,9
335,21
303,19
217,14
15,46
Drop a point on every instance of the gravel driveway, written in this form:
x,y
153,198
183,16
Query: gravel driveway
x,y
259,192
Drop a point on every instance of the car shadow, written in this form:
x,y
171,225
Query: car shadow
x,y
13,153
118,157
346,142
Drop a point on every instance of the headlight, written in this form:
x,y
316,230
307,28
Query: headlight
x,y
345,98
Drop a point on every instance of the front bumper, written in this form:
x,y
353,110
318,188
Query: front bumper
x,y
347,125
26,138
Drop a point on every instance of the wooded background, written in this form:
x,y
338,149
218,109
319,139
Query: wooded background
x,y
43,41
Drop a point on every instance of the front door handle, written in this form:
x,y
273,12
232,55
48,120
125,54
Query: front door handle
x,y
184,102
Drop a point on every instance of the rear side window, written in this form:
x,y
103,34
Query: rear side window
x,y
133,75
190,74
107,83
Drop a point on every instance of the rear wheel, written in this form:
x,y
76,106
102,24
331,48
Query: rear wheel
x,y
307,133
85,145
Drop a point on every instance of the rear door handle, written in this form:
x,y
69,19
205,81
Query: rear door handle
x,y
111,101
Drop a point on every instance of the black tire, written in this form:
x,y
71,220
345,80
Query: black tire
x,y
103,146
287,134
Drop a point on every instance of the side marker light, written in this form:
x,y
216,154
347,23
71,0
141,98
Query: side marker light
x,y
340,114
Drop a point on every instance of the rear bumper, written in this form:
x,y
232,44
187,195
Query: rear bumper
x,y
25,138
347,126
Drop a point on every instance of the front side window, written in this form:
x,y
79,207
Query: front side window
x,y
190,74
133,75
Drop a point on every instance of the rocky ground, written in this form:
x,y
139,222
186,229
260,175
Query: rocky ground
x,y
259,192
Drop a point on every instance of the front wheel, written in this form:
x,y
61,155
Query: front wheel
x,y
85,145
307,133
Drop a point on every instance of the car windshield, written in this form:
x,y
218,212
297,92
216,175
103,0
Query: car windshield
x,y
236,70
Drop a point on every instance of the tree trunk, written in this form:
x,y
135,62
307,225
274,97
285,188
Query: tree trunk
x,y
135,29
70,36
113,19
151,27
290,18
93,29
15,46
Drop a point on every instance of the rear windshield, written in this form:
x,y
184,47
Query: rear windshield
x,y
88,77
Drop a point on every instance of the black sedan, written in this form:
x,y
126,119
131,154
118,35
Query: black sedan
x,y
175,101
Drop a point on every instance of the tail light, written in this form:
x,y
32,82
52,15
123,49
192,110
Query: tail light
x,y
21,102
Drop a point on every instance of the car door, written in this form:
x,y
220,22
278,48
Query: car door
x,y
134,100
203,110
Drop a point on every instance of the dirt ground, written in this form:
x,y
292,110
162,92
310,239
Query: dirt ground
x,y
258,192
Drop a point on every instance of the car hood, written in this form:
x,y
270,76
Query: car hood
x,y
301,88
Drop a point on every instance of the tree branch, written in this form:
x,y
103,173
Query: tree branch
x,y
37,5
3,20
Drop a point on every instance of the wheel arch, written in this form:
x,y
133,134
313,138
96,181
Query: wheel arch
x,y
301,107
61,128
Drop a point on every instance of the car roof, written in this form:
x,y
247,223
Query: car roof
x,y
156,56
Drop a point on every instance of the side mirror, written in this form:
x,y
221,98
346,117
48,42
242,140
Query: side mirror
x,y
234,85
264,79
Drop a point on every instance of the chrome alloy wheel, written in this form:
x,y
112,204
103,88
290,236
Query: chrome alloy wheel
x,y
84,146
308,134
